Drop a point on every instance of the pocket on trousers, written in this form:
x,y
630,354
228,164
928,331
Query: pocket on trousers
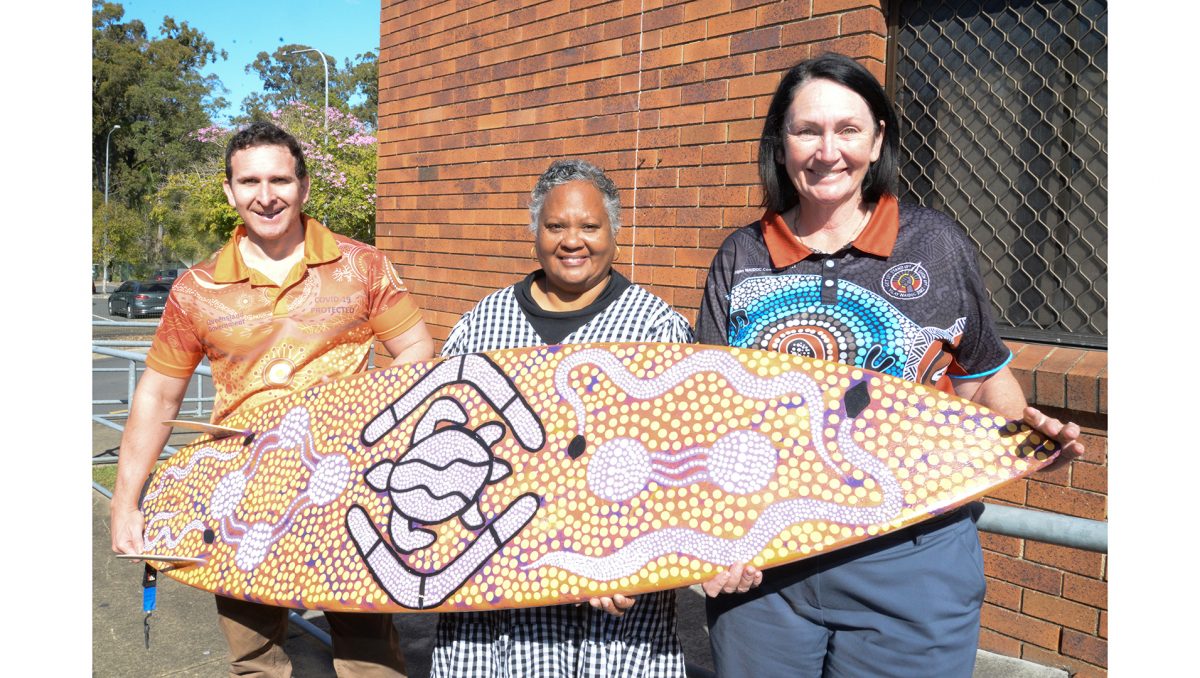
x,y
969,538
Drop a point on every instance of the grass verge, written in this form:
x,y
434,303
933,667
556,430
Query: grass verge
x,y
105,475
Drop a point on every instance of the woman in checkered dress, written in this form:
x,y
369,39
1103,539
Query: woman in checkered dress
x,y
575,297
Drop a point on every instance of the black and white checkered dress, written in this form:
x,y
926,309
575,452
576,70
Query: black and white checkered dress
x,y
563,640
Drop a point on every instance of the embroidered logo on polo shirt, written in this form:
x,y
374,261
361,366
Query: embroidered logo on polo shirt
x,y
905,281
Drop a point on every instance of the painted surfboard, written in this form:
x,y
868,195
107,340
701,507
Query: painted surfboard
x,y
548,475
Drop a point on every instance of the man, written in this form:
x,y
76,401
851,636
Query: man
x,y
286,304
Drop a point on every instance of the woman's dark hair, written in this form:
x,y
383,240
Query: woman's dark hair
x,y
779,195
264,134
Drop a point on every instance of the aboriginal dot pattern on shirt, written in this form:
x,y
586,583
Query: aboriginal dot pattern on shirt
x,y
918,311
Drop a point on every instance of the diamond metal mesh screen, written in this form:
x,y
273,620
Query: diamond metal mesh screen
x,y
1003,114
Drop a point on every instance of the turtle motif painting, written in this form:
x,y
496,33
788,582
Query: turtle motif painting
x,y
553,474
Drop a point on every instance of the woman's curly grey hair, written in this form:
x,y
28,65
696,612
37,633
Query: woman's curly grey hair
x,y
565,171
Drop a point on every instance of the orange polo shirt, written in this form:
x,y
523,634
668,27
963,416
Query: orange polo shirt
x,y
265,340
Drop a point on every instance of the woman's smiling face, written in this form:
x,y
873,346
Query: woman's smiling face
x,y
830,140
574,241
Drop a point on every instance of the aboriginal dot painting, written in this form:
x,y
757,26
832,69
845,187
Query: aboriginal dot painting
x,y
547,475
785,313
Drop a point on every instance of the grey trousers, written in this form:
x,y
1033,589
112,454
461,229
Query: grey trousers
x,y
900,606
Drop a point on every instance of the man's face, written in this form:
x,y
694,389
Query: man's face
x,y
265,191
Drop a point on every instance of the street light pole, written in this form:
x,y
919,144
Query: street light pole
x,y
324,65
107,138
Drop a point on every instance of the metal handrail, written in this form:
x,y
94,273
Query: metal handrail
x,y
97,347
106,347
122,323
1043,526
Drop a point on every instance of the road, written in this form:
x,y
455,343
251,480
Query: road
x,y
110,376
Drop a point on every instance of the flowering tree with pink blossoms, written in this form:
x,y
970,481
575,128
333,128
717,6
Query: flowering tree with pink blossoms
x,y
341,167
195,217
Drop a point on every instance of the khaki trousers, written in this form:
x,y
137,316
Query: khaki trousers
x,y
364,644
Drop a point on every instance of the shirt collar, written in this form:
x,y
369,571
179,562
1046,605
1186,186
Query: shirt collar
x,y
878,236
319,247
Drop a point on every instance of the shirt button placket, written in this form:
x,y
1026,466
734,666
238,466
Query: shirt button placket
x,y
829,281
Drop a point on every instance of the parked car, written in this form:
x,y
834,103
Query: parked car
x,y
167,275
139,297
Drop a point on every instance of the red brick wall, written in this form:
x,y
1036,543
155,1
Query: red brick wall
x,y
667,97
1045,603
476,98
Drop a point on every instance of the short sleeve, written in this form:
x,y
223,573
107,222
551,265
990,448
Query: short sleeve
x,y
176,349
392,309
456,342
712,323
671,328
981,351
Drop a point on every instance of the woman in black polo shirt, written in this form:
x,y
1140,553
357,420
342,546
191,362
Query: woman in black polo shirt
x,y
837,269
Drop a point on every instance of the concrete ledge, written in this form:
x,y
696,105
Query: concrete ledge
x,y
1062,377
989,665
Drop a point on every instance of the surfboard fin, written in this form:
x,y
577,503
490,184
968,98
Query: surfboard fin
x,y
177,561
215,430
857,398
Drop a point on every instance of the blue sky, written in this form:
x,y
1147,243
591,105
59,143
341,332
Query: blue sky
x,y
339,28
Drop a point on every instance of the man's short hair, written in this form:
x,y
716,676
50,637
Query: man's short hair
x,y
264,134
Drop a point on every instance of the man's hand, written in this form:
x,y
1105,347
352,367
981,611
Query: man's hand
x,y
155,400
1066,435
614,605
739,578
127,528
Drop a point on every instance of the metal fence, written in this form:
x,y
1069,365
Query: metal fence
x,y
197,401
1003,125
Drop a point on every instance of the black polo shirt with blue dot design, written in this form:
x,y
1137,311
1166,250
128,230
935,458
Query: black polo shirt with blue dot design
x,y
904,298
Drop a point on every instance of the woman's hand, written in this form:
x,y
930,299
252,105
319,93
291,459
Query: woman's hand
x,y
739,578
1066,435
1001,393
614,605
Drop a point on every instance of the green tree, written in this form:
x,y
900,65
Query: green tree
x,y
289,78
190,211
361,78
118,235
341,169
154,88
